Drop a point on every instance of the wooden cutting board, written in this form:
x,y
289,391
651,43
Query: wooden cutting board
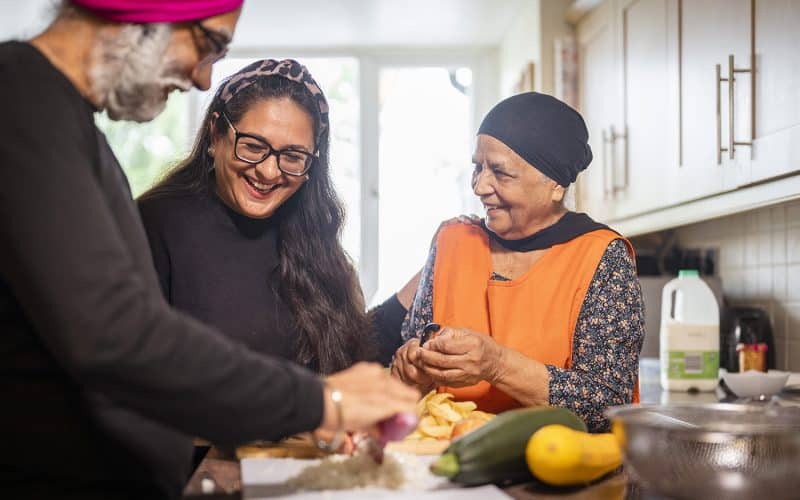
x,y
293,447
418,447
303,447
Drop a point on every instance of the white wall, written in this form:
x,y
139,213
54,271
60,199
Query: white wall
x,y
22,20
759,263
553,26
521,45
531,37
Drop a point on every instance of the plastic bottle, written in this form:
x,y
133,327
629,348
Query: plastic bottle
x,y
689,337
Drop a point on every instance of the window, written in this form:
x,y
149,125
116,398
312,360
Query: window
x,y
425,148
147,150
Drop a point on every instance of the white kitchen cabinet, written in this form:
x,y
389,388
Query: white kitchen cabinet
x,y
647,147
599,105
706,103
710,31
776,149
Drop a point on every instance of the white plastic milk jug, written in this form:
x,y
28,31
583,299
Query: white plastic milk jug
x,y
689,339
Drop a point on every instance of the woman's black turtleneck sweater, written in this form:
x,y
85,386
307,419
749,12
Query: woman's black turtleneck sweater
x,y
222,268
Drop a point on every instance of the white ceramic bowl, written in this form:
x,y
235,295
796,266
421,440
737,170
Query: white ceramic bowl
x,y
753,384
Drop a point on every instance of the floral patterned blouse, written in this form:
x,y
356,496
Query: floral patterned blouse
x,y
606,343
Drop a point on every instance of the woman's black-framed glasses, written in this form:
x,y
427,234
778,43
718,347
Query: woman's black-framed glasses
x,y
254,150
217,42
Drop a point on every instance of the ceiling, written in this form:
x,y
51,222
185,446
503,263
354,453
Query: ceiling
x,y
321,24
332,24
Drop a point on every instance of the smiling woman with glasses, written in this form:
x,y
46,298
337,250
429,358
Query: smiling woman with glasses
x,y
253,149
245,231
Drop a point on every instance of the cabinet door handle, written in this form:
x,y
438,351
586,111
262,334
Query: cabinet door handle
x,y
607,139
614,137
719,79
732,70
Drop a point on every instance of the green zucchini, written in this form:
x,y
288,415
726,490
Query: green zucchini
x,y
495,452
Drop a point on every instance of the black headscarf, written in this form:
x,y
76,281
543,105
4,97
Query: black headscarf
x,y
551,137
544,131
569,226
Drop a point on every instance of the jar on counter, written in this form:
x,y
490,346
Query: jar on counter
x,y
752,357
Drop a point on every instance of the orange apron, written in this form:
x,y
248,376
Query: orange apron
x,y
534,314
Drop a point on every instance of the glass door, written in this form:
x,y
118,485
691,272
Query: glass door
x,y
425,142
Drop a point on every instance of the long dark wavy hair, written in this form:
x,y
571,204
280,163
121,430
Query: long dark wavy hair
x,y
317,279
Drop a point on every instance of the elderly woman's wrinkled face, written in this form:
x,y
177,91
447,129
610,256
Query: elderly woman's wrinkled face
x,y
257,191
519,200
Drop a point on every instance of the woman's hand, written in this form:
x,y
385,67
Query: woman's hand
x,y
458,357
369,395
405,367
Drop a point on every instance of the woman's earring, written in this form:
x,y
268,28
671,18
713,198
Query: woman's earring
x,y
210,151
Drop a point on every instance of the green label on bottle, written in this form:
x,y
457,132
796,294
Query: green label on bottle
x,y
692,365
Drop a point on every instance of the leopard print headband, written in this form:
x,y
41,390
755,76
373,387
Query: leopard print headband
x,y
289,69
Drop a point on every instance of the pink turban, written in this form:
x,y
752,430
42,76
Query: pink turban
x,y
157,11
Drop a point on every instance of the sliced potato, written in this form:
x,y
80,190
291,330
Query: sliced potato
x,y
438,415
464,407
445,412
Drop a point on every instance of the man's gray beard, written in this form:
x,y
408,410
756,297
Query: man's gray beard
x,y
130,72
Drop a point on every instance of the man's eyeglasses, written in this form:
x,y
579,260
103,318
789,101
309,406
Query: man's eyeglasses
x,y
216,46
254,150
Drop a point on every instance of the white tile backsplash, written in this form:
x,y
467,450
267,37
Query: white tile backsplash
x,y
751,249
764,218
779,291
732,253
793,245
778,217
764,248
778,245
764,281
793,284
793,213
759,263
751,222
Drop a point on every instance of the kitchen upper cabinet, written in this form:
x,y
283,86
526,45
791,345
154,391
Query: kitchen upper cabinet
x,y
647,146
710,32
777,88
599,105
686,100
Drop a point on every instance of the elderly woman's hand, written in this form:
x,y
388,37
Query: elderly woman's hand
x,y
405,366
458,357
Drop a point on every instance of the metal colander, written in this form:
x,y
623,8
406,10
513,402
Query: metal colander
x,y
715,451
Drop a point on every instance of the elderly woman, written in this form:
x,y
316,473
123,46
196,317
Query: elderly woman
x,y
245,231
538,305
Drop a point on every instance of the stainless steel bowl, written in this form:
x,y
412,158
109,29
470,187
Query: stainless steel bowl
x,y
712,451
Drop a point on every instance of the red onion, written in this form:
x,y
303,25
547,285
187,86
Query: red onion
x,y
397,427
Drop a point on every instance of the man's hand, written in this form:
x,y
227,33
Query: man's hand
x,y
369,395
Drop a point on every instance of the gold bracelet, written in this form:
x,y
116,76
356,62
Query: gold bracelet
x,y
338,437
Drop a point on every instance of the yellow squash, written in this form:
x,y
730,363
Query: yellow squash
x,y
561,456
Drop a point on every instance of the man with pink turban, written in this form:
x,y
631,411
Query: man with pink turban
x,y
101,382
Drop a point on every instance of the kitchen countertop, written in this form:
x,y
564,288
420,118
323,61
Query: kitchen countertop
x,y
224,470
